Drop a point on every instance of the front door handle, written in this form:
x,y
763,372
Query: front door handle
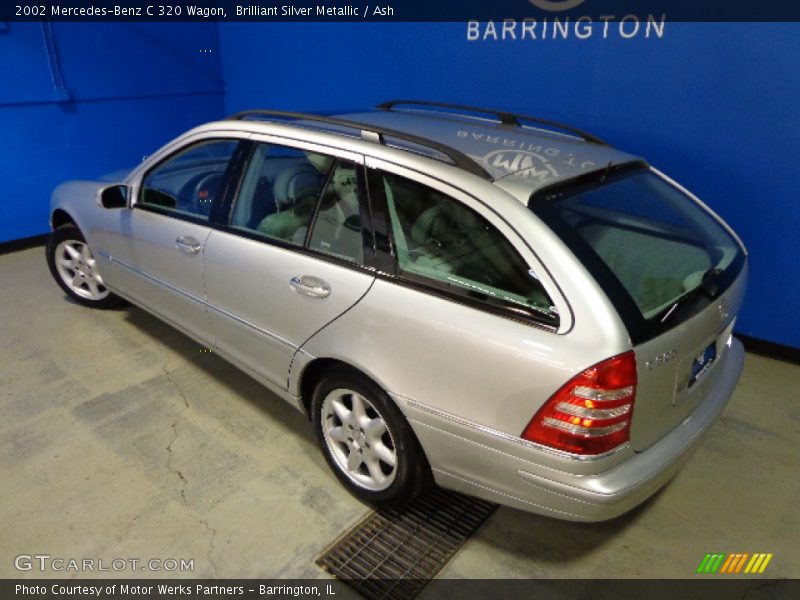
x,y
188,244
310,286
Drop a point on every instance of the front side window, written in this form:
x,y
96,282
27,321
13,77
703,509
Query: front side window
x,y
442,242
188,183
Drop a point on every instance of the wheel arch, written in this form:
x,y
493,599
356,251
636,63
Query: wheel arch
x,y
60,217
313,372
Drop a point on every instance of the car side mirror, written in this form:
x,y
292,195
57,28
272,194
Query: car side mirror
x,y
113,196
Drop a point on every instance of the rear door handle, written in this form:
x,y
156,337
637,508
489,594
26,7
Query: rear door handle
x,y
310,286
187,244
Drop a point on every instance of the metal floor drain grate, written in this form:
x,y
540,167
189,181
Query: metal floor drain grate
x,y
394,553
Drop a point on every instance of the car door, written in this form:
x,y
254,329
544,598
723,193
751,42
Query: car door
x,y
292,256
156,246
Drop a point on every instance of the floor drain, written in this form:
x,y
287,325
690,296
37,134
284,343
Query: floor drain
x,y
393,554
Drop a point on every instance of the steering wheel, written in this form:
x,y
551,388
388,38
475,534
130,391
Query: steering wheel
x,y
205,190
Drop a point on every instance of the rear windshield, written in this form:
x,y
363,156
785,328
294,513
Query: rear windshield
x,y
655,242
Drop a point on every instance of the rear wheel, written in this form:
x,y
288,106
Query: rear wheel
x,y
74,268
366,440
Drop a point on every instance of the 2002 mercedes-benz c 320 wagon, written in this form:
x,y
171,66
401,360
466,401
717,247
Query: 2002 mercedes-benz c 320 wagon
x,y
504,305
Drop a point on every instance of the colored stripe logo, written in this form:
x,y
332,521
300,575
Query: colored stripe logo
x,y
731,564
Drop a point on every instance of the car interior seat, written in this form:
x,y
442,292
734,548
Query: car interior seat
x,y
262,203
295,192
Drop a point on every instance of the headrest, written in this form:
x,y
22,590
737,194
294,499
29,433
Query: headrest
x,y
437,222
295,183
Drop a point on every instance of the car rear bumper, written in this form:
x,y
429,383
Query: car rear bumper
x,y
497,467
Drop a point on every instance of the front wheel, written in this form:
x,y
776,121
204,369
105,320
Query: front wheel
x,y
74,268
366,440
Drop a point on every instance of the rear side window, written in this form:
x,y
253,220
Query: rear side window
x,y
301,198
445,244
279,192
658,244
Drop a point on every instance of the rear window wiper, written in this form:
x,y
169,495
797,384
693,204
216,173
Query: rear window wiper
x,y
709,287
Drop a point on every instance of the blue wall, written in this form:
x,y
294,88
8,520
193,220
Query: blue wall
x,y
716,106
124,91
713,105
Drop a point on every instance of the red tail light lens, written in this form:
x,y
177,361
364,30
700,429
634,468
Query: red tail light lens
x,y
592,413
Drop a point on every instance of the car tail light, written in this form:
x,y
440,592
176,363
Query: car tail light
x,y
592,413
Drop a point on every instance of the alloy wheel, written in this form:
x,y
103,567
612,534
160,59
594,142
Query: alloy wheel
x,y
359,440
78,269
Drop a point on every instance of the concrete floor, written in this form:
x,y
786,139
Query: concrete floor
x,y
121,438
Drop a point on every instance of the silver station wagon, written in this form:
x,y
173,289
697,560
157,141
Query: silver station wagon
x,y
503,305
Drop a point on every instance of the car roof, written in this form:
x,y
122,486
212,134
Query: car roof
x,y
527,153
515,155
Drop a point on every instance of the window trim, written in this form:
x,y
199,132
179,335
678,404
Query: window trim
x,y
390,268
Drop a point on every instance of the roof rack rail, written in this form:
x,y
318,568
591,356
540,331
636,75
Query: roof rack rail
x,y
506,118
374,133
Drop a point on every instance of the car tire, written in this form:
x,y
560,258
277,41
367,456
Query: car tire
x,y
361,433
74,268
